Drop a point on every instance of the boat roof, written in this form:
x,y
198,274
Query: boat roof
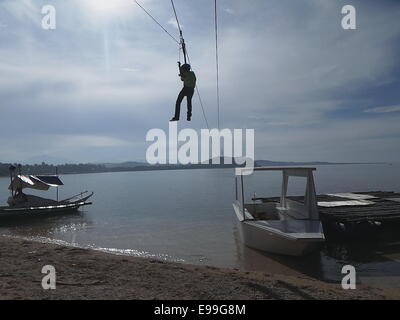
x,y
240,171
39,182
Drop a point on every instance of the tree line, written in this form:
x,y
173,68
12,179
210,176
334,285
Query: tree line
x,y
45,168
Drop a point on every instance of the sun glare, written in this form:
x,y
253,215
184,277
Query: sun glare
x,y
109,6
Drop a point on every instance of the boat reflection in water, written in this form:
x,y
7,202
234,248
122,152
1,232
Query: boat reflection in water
x,y
33,217
376,263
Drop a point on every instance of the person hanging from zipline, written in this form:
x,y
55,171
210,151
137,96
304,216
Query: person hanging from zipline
x,y
189,84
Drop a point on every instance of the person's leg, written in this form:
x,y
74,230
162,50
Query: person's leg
x,y
178,104
189,97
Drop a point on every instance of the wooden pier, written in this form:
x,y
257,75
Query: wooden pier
x,y
356,216
385,206
379,217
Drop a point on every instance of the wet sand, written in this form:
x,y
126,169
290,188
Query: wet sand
x,y
90,274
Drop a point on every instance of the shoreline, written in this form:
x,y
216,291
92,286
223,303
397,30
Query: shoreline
x,y
169,167
91,274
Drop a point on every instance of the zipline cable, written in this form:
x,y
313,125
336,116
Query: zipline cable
x,y
202,108
185,54
217,57
200,100
176,17
159,24
180,43
180,32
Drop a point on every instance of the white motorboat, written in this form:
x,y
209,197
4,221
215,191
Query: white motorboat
x,y
286,227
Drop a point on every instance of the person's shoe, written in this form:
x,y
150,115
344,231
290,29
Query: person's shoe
x,y
174,119
189,118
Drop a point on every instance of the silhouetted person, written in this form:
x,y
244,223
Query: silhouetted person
x,y
189,84
19,198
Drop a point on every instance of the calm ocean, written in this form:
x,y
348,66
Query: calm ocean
x,y
187,216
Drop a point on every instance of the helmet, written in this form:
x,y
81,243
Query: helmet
x,y
186,67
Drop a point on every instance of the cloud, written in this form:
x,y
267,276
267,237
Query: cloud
x,y
383,109
97,83
229,10
81,141
130,69
173,22
278,124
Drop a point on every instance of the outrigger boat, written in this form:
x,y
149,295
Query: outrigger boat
x,y
286,227
21,204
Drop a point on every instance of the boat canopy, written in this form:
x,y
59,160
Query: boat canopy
x,y
34,182
306,210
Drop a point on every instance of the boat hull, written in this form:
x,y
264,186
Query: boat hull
x,y
268,241
7,212
265,238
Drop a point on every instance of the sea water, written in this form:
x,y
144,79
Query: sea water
x,y
187,216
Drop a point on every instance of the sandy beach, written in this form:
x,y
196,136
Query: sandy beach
x,y
90,274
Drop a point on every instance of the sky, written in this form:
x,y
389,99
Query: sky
x,y
90,90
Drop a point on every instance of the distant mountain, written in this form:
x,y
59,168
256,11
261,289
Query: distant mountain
x,y
268,163
128,164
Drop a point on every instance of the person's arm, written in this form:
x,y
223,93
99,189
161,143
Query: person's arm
x,y
180,69
183,75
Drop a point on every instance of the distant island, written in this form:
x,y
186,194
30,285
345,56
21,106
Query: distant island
x,y
45,168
